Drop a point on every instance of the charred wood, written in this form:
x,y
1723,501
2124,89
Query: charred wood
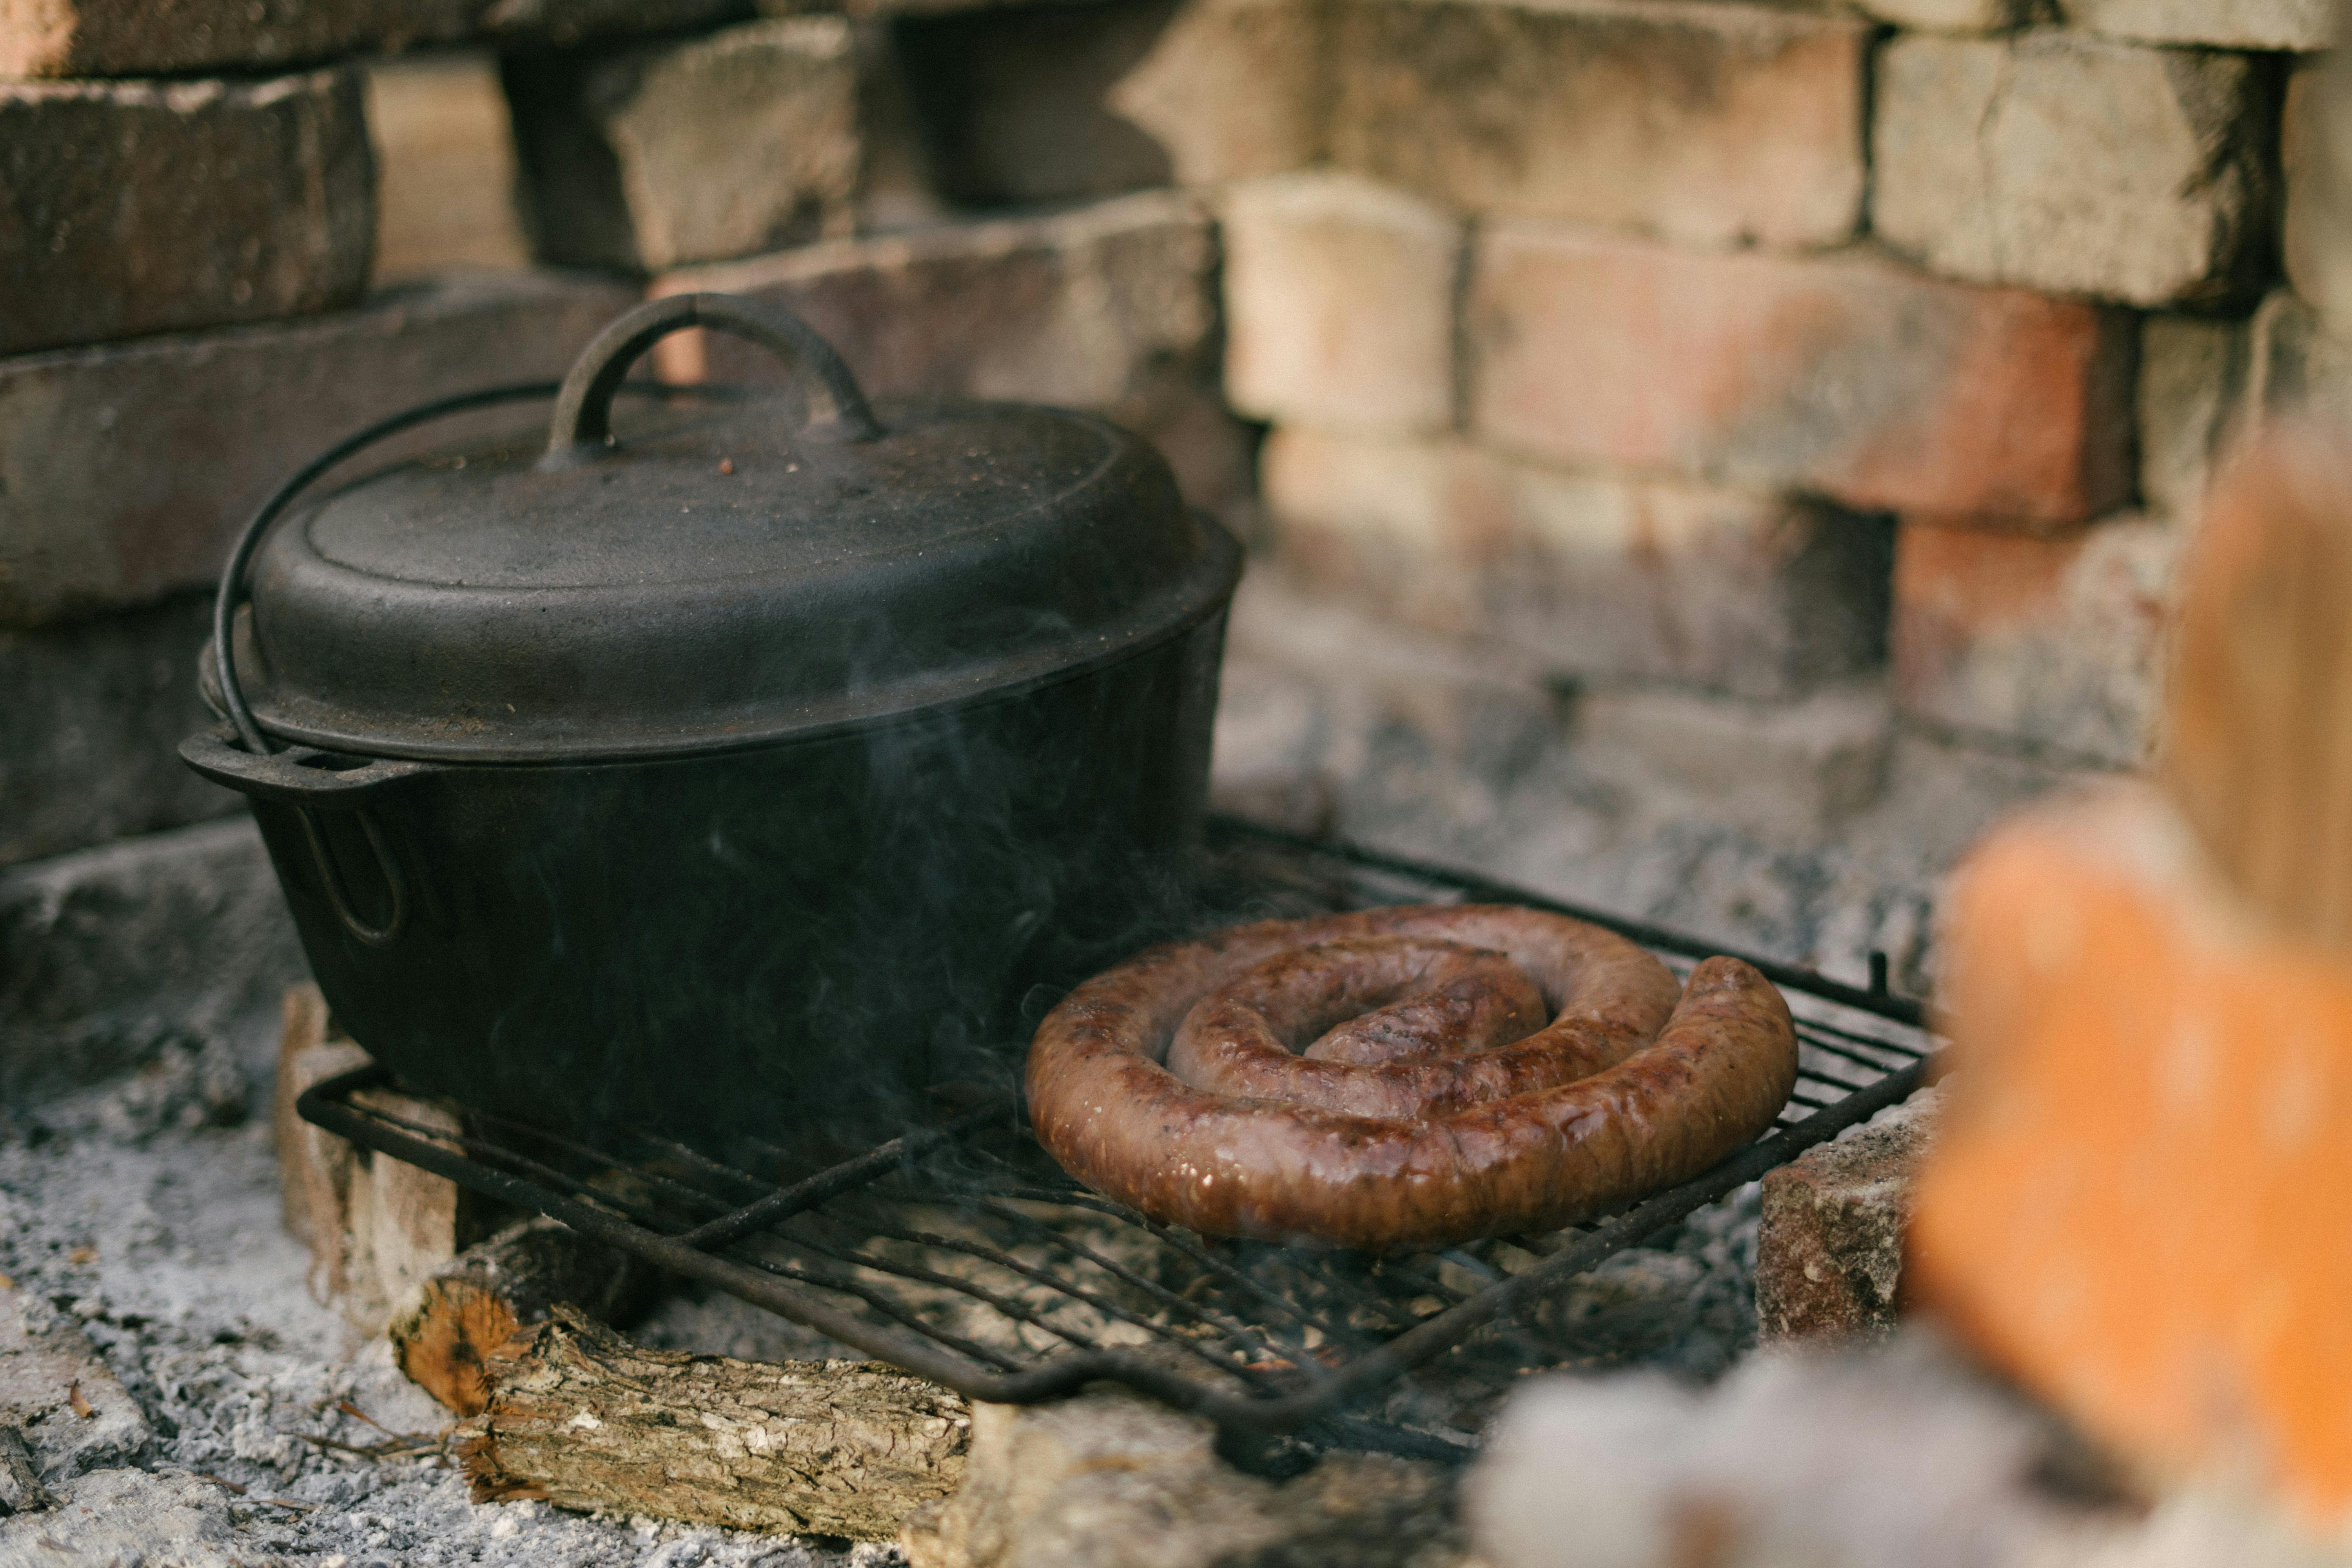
x,y
444,1333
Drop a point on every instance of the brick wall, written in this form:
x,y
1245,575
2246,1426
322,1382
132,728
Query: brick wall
x,y
1572,278
1712,382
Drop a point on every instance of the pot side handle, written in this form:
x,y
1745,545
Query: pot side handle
x,y
299,775
580,430
310,781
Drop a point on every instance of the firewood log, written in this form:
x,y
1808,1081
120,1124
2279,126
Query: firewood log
x,y
444,1331
579,1416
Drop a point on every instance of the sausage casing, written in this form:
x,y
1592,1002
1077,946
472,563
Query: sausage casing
x,y
1632,1084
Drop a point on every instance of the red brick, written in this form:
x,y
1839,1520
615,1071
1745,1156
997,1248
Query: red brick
x,y
1844,374
2056,643
1709,123
128,469
136,207
1339,304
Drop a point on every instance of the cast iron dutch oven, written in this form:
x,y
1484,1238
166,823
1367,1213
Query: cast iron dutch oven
x,y
740,771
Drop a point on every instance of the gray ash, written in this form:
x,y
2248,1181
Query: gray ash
x,y
130,1212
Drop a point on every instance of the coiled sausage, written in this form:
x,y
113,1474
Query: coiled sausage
x,y
1404,1078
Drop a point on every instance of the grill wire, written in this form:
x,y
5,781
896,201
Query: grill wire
x,y
959,1251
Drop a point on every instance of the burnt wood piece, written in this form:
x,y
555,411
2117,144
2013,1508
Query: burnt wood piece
x,y
444,1334
581,1417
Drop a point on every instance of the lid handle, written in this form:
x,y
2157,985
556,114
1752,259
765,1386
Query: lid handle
x,y
583,423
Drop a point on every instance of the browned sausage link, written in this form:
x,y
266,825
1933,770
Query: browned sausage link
x,y
1679,1084
1429,1000
1368,1000
1233,1040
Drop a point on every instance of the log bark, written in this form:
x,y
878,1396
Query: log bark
x,y
579,1416
445,1332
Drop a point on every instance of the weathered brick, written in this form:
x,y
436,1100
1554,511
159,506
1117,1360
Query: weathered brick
x,y
1846,375
670,154
1325,708
2296,368
1016,103
1595,577
2298,24
1709,123
1081,308
1339,304
1056,103
1829,1249
2074,164
141,37
2315,155
1184,91
1109,308
895,189
1393,524
187,926
133,208
128,470
2055,643
445,167
88,734
1780,772
2192,380
1950,16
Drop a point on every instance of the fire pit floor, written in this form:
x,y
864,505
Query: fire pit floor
x,y
159,1241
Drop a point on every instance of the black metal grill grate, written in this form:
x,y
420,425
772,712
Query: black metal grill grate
x,y
961,1252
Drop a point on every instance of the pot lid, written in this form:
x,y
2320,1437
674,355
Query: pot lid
x,y
717,578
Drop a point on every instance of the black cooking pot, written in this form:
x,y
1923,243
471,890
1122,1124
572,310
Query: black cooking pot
x,y
733,772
